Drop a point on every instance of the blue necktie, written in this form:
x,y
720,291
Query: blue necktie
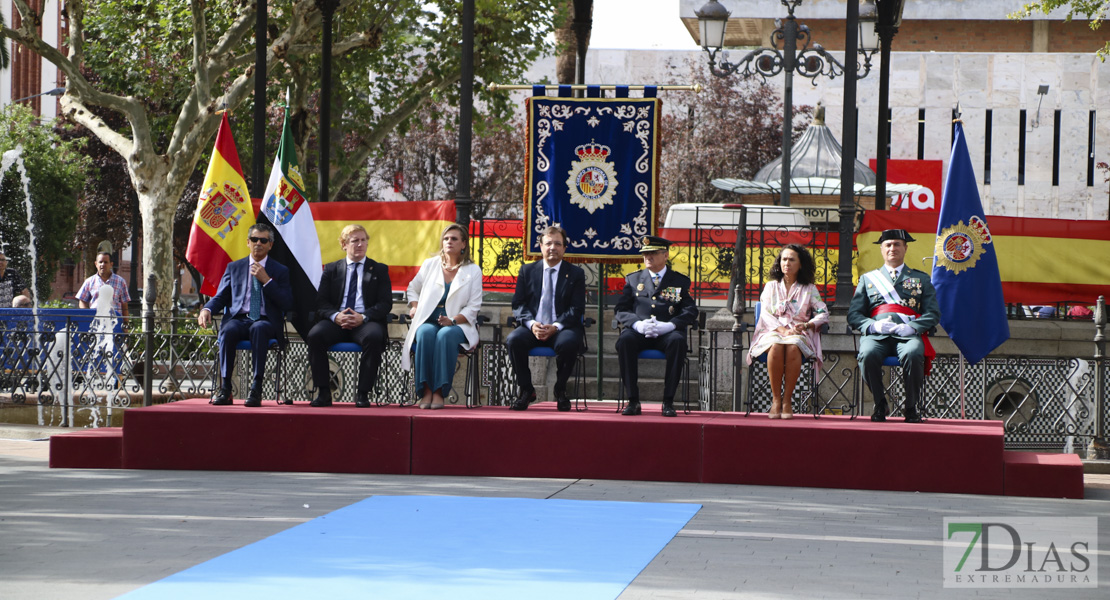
x,y
548,290
256,299
352,287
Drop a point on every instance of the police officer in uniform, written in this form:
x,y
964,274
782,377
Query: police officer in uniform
x,y
655,309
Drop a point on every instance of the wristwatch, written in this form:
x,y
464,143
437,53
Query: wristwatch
x,y
453,321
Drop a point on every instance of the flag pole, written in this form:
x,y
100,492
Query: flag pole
x,y
963,414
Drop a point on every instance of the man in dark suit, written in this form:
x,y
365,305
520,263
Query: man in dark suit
x,y
254,295
548,304
352,305
894,307
655,309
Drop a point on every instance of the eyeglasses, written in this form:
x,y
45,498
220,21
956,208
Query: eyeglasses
x,y
259,240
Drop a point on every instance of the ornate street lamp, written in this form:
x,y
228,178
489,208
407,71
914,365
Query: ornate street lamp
x,y
887,18
789,52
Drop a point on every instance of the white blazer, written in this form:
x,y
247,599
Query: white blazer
x,y
465,298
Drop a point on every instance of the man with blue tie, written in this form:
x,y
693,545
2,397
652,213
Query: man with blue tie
x,y
353,302
655,309
549,303
254,295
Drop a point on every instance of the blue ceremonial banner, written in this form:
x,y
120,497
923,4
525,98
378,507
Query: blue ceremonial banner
x,y
593,169
965,274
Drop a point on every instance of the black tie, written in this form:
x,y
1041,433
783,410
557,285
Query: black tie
x,y
352,286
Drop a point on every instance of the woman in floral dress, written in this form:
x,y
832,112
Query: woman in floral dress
x,y
790,316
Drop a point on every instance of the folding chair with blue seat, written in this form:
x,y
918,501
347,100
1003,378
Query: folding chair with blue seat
x,y
579,361
809,376
279,353
471,386
890,363
355,348
652,354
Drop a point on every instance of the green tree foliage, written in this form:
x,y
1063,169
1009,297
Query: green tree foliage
x,y
1094,11
167,67
56,170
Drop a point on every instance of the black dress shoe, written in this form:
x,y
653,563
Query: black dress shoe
x,y
254,398
632,409
562,403
322,400
878,417
668,409
523,401
913,418
222,398
362,400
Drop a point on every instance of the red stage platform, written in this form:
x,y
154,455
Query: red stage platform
x,y
710,447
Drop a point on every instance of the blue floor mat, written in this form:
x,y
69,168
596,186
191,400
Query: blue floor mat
x,y
442,547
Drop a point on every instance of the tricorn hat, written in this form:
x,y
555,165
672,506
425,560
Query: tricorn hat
x,y
895,234
652,243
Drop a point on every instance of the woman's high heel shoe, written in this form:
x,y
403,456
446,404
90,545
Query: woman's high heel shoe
x,y
787,411
776,409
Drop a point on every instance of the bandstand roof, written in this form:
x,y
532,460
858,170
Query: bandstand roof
x,y
817,186
815,169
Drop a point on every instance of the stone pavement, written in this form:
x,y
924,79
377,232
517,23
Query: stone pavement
x,y
91,534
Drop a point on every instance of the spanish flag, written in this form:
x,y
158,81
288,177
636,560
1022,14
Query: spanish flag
x,y
224,214
1031,253
402,234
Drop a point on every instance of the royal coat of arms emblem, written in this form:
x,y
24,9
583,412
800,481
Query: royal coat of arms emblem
x,y
592,179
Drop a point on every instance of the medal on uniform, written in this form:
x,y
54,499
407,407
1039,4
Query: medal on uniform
x,y
640,288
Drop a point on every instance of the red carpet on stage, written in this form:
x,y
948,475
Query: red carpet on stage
x,y
709,447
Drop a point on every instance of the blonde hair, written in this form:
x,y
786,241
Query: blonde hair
x,y
464,255
348,230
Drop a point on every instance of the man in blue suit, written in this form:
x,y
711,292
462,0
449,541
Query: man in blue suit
x,y
549,303
655,308
254,295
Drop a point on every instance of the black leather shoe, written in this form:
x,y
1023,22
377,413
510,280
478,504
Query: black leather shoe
x,y
632,409
913,418
254,398
523,401
668,409
362,400
562,403
322,400
879,416
222,398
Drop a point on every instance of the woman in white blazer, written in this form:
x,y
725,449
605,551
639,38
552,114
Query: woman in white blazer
x,y
444,299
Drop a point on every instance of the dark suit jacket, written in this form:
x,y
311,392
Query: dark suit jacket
x,y
277,295
671,302
570,294
377,292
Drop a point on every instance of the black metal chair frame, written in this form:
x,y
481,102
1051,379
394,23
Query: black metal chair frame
x,y
275,346
890,362
471,391
684,376
812,399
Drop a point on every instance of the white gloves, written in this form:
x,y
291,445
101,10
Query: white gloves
x,y
653,328
663,328
893,328
904,330
883,327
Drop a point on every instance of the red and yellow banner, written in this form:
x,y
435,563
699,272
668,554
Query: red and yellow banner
x,y
223,216
1041,261
402,234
